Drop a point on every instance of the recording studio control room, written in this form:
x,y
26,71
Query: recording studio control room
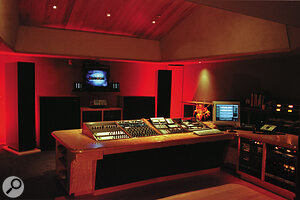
x,y
149,100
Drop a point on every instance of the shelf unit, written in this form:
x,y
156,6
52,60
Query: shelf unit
x,y
62,164
254,161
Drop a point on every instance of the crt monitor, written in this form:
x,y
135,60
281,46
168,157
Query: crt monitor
x,y
226,113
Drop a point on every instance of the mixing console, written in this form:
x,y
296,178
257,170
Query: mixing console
x,y
167,126
137,128
103,131
197,127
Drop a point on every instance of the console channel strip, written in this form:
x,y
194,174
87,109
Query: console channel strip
x,y
197,127
137,128
103,131
167,125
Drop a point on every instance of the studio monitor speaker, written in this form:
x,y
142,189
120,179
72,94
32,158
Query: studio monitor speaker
x,y
164,86
20,105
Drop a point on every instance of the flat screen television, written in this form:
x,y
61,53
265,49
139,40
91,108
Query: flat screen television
x,y
96,78
226,113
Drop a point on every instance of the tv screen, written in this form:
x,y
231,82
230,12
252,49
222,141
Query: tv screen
x,y
226,113
96,78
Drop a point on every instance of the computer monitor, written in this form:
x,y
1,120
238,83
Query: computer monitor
x,y
226,113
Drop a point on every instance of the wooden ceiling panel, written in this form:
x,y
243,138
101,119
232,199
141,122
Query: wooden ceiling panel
x,y
128,17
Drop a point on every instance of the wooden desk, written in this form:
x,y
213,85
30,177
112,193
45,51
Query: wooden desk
x,y
77,156
286,140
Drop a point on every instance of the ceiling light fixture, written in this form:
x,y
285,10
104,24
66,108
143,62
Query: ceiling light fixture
x,y
155,19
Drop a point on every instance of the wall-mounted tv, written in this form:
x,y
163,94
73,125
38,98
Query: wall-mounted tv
x,y
96,78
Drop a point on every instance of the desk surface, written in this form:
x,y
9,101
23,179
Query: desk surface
x,y
74,140
287,140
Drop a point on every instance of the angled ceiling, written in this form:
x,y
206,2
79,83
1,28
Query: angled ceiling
x,y
281,11
134,18
127,17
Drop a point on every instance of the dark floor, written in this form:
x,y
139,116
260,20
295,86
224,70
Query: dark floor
x,y
38,174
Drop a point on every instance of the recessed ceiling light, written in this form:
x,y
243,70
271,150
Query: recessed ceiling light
x,y
153,22
107,14
54,7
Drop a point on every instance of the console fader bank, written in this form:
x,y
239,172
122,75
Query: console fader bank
x,y
124,129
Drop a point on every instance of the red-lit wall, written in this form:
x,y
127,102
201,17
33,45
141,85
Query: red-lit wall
x,y
140,79
2,107
54,77
233,80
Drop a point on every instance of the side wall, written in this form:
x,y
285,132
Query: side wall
x,y
276,77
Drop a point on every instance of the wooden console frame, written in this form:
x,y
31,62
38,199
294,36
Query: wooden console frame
x,y
81,154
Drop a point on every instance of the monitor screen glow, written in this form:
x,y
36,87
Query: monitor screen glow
x,y
226,113
97,78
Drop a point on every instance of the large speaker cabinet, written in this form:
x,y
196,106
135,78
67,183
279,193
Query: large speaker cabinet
x,y
164,85
20,105
57,113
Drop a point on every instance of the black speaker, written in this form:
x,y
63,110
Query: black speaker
x,y
20,104
136,107
57,113
164,93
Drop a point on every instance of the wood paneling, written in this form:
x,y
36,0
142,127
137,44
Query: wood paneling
x,y
128,17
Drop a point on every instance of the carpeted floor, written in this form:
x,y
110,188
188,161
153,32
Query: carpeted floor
x,y
38,174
